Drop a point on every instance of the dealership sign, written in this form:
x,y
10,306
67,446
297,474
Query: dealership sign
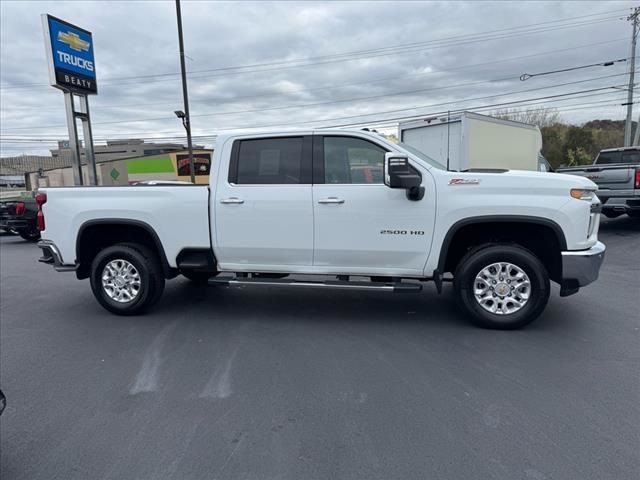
x,y
69,56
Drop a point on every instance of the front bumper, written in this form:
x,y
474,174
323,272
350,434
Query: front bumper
x,y
580,268
51,256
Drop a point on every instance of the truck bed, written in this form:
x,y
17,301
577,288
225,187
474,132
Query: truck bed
x,y
179,214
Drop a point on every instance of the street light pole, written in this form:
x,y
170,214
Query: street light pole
x,y
187,119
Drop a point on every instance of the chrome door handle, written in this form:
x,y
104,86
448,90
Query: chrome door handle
x,y
331,200
232,200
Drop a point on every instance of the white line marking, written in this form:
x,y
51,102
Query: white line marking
x,y
219,385
147,377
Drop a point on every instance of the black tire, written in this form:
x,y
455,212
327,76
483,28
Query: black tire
x,y
471,266
634,214
199,278
30,235
159,290
145,261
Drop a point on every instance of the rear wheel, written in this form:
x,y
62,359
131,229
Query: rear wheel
x,y
127,278
502,287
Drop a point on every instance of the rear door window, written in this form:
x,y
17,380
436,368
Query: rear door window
x,y
269,161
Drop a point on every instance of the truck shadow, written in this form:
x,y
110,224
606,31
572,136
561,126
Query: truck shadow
x,y
331,307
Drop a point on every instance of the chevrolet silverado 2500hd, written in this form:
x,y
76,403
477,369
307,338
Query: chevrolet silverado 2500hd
x,y
349,205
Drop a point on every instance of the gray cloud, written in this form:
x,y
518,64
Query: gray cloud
x,y
139,39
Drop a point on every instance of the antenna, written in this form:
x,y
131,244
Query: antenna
x,y
448,136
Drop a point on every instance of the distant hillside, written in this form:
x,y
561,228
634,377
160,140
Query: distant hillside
x,y
566,144
579,144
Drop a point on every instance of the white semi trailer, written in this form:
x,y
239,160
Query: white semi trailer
x,y
471,141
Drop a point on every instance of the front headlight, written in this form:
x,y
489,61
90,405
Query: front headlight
x,y
582,194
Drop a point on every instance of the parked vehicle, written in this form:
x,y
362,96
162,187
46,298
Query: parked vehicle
x,y
19,216
159,182
467,141
292,203
616,171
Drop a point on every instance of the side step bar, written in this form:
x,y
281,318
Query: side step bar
x,y
391,287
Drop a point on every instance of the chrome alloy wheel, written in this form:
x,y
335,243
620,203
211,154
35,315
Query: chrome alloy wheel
x,y
120,281
502,288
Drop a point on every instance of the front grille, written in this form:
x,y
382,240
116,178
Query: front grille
x,y
594,220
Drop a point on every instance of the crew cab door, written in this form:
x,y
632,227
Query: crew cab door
x,y
361,225
262,210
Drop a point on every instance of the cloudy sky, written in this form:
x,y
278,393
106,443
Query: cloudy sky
x,y
304,64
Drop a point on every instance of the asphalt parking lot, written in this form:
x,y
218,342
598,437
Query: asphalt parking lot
x,y
267,383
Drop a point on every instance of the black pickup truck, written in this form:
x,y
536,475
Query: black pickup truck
x,y
19,216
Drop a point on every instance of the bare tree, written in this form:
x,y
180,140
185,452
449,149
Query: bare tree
x,y
542,117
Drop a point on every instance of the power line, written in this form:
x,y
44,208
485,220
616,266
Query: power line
x,y
462,109
316,63
378,80
392,47
442,43
572,107
522,102
548,98
356,55
332,102
527,76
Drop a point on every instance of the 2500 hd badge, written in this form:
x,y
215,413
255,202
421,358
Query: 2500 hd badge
x,y
401,232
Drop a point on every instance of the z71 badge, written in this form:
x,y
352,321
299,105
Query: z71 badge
x,y
464,181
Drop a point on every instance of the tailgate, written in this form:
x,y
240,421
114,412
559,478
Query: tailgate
x,y
611,177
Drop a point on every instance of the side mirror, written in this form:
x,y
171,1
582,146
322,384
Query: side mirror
x,y
398,174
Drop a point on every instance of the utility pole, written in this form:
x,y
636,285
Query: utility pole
x,y
187,119
636,137
627,128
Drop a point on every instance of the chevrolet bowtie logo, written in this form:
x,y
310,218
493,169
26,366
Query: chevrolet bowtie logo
x,y
74,41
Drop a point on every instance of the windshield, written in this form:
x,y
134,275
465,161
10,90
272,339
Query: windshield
x,y
421,155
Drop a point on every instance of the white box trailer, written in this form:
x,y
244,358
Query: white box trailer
x,y
471,141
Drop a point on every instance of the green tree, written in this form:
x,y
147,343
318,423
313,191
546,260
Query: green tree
x,y
579,156
553,144
579,141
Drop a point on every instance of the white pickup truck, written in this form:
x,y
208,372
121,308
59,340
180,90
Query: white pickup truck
x,y
348,208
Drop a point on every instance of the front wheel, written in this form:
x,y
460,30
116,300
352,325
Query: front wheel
x,y
127,278
502,287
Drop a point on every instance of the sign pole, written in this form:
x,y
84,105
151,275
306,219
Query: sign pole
x,y
76,163
88,140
